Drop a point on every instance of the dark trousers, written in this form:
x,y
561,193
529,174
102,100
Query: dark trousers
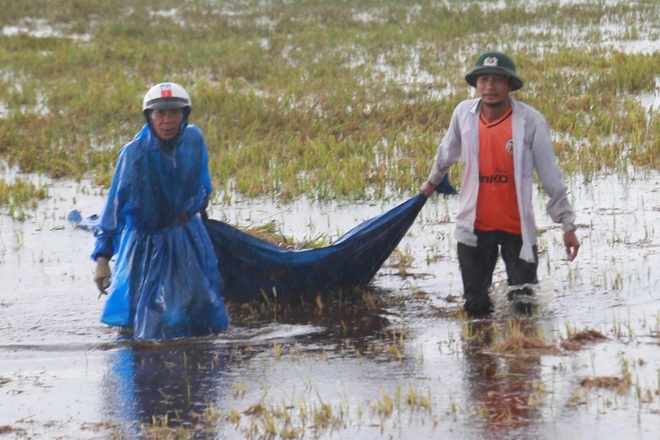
x,y
478,263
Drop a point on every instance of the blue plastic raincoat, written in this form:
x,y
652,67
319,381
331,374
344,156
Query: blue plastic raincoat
x,y
166,282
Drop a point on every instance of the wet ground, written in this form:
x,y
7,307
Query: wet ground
x,y
394,360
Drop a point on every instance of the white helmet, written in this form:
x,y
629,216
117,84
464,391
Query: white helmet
x,y
166,96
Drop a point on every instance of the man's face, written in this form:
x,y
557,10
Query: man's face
x,y
166,123
493,89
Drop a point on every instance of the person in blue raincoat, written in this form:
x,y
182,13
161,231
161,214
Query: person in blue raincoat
x,y
166,281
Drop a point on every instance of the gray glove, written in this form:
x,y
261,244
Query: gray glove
x,y
102,274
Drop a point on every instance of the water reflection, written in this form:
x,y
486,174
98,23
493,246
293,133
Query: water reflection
x,y
357,314
166,384
183,383
503,369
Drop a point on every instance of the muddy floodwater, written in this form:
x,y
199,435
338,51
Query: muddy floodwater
x,y
395,360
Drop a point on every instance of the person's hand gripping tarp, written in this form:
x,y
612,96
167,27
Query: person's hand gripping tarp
x,y
102,274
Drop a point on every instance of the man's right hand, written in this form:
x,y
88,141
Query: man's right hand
x,y
102,274
427,189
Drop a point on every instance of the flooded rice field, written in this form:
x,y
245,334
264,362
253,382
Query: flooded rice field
x,y
394,360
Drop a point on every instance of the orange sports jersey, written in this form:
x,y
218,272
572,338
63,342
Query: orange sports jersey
x,y
497,205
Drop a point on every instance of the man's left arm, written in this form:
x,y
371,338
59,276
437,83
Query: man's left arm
x,y
558,207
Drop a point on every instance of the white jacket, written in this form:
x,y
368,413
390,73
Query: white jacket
x,y
532,150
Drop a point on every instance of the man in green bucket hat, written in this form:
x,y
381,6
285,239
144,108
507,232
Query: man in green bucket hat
x,y
501,142
494,63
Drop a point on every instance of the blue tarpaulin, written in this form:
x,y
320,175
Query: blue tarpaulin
x,y
252,267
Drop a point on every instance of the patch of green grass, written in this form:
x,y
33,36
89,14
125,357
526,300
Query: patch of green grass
x,y
19,197
335,100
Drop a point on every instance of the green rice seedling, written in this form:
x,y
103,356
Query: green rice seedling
x,y
323,416
484,412
402,260
384,405
277,350
19,197
414,399
240,388
18,241
393,352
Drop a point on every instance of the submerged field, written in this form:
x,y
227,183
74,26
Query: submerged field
x,y
339,100
317,117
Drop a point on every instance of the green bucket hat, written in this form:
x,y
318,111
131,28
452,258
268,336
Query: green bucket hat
x,y
494,63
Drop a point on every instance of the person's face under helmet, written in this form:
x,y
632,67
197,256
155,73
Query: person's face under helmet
x,y
166,107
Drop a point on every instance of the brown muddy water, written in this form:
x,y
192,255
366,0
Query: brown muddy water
x,y
396,360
